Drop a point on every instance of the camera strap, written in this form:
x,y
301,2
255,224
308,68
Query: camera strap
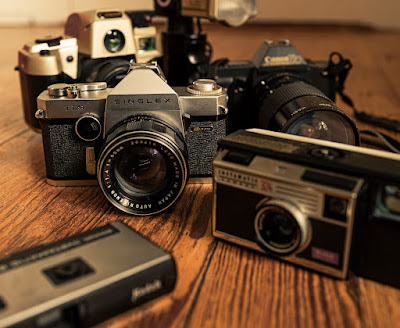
x,y
339,68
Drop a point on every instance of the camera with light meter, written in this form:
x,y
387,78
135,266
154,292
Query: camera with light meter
x,y
143,138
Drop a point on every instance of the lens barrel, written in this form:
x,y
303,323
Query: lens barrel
x,y
280,227
290,105
142,166
111,70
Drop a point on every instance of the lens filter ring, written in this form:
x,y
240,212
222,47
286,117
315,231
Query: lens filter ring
x,y
281,228
294,107
323,121
142,173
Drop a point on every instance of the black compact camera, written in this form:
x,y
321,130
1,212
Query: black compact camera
x,y
98,46
322,205
279,90
142,138
84,279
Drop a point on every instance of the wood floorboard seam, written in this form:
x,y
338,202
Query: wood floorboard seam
x,y
188,318
14,136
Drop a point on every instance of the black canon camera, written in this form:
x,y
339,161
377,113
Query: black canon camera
x,y
98,46
279,90
322,205
142,138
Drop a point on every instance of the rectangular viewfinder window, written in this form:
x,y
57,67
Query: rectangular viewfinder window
x,y
147,44
388,202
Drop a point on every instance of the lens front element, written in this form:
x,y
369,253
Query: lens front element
x,y
141,173
296,107
114,41
280,227
141,169
324,125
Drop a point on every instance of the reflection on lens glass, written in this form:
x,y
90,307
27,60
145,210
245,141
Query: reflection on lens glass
x,y
114,41
147,44
325,125
140,169
279,229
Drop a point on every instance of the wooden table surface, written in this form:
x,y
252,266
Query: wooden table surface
x,y
219,284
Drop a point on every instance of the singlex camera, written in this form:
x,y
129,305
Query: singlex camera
x,y
279,90
144,138
98,46
84,279
322,205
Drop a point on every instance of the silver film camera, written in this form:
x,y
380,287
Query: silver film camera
x,y
142,138
82,280
322,205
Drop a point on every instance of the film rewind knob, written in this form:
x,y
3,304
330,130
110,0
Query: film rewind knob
x,y
205,87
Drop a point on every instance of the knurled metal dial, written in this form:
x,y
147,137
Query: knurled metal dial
x,y
205,87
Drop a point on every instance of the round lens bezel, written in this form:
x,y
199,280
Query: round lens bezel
x,y
279,206
280,103
324,109
120,36
142,205
96,120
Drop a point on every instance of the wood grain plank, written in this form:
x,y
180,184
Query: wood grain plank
x,y
250,287
379,304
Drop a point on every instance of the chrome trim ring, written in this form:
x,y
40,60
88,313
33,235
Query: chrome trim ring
x,y
297,215
122,201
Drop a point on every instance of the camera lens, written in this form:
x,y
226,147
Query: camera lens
x,y
291,105
325,125
114,41
280,227
111,71
141,169
142,166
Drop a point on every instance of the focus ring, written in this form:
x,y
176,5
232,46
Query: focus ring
x,y
272,102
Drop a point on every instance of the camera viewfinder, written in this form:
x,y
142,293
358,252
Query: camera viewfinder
x,y
67,271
